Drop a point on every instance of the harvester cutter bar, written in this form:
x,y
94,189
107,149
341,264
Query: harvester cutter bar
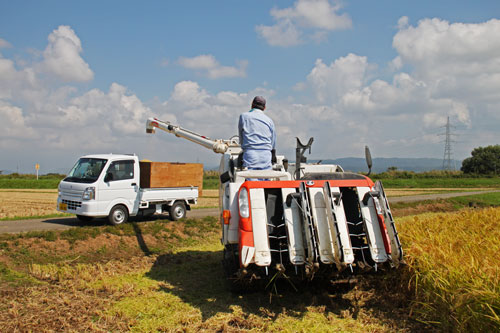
x,y
393,234
338,224
311,232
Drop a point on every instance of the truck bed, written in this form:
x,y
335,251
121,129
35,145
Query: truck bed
x,y
168,194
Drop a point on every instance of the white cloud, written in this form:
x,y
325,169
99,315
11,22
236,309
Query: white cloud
x,y
4,43
189,93
15,82
12,125
62,56
284,33
453,57
212,68
403,22
318,16
343,75
117,110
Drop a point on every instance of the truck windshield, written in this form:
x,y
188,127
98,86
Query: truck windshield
x,y
86,170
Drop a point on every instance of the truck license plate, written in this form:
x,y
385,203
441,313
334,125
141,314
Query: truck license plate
x,y
63,206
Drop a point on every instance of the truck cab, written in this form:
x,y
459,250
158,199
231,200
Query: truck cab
x,y
108,185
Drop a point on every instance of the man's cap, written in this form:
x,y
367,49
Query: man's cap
x,y
259,102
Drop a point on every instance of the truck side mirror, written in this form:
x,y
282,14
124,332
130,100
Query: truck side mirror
x,y
368,157
109,177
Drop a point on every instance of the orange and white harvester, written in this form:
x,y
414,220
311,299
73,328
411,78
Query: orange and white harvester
x,y
297,220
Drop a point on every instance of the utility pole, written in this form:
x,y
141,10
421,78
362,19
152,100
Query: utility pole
x,y
447,162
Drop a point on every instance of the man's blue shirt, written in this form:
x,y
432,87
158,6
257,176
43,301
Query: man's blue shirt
x,y
257,138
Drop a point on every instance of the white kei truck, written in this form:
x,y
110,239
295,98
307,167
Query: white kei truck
x,y
108,186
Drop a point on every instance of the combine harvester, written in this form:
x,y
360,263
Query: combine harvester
x,y
302,221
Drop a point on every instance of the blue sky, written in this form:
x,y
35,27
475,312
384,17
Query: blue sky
x,y
82,77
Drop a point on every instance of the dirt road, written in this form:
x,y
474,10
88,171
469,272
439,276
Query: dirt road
x,y
17,226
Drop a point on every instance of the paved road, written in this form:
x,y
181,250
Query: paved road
x,y
62,223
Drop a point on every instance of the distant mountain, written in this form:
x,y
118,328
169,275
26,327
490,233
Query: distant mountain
x,y
380,164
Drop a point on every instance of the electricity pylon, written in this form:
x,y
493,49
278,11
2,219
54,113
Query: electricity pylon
x,y
447,161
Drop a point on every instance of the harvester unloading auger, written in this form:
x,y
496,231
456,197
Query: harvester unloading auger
x,y
303,220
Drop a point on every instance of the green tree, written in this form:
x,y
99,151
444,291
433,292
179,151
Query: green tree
x,y
484,160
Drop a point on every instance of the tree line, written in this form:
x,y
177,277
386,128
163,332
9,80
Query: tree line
x,y
484,161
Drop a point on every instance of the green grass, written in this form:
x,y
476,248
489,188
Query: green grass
x,y
210,182
398,179
440,182
28,181
479,200
14,278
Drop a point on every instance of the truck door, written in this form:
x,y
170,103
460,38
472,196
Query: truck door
x,y
120,186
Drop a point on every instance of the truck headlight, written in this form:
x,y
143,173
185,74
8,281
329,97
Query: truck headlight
x,y
89,193
243,203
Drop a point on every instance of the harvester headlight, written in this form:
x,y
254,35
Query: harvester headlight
x,y
243,203
89,193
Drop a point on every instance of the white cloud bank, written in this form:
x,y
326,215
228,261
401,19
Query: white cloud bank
x,y
306,20
451,69
42,114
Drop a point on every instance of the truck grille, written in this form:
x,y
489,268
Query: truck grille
x,y
71,193
73,205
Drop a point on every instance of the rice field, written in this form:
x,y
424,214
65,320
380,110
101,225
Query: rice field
x,y
165,276
15,203
454,268
27,202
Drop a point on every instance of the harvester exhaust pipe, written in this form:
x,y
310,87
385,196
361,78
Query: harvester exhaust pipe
x,y
368,157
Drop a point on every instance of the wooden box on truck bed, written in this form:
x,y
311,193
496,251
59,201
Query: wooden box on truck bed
x,y
168,174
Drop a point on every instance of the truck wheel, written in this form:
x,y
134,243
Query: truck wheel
x,y
84,218
177,211
118,215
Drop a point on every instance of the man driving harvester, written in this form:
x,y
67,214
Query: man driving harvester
x,y
257,136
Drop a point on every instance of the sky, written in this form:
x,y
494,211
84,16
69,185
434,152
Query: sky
x,y
82,77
